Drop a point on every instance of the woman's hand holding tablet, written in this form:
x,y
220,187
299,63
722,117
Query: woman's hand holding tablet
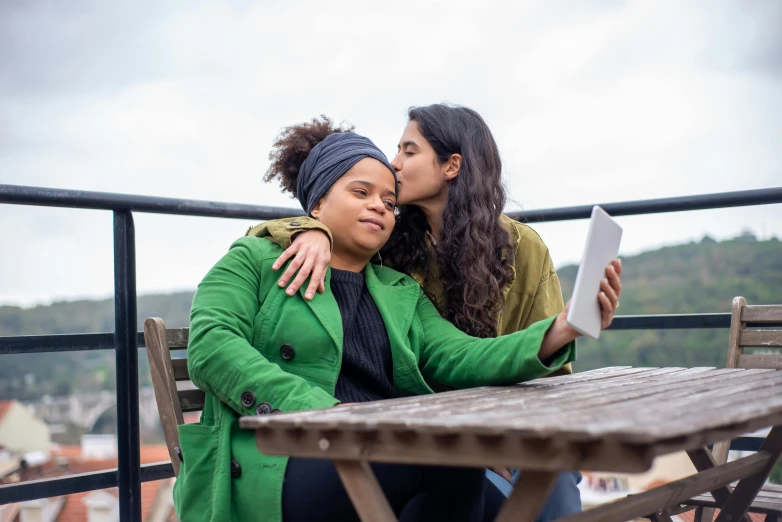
x,y
597,287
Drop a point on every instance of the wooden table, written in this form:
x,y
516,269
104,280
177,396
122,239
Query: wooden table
x,y
614,419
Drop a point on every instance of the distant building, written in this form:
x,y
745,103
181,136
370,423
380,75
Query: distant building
x,y
20,431
27,453
9,464
95,453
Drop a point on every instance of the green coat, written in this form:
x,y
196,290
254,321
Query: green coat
x,y
239,323
532,294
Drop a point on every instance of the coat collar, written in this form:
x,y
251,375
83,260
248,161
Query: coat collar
x,y
396,302
325,308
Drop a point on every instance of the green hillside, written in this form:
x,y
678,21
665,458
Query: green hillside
x,y
28,377
695,277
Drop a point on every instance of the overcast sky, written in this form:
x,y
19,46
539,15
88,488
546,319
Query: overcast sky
x,y
590,102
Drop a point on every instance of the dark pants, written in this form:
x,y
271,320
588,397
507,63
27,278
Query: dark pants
x,y
313,492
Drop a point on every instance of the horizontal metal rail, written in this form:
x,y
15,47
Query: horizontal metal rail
x,y
104,341
49,197
69,484
742,198
83,199
56,343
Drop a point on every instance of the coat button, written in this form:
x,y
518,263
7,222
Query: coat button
x,y
276,410
236,469
294,223
263,408
248,399
287,352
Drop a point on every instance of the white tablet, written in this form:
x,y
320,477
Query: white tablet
x,y
602,246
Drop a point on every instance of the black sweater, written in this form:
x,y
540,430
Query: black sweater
x,y
367,372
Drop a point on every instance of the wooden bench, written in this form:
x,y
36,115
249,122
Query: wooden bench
x,y
769,500
174,393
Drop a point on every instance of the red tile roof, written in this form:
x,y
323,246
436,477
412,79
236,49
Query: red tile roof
x,y
148,454
149,495
4,407
689,516
74,509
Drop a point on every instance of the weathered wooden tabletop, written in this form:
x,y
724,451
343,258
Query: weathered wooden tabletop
x,y
612,419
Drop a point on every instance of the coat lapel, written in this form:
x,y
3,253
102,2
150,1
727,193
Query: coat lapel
x,y
397,304
325,308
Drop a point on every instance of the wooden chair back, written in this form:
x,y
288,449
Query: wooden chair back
x,y
174,393
741,337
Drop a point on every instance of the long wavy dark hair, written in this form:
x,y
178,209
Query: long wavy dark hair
x,y
474,252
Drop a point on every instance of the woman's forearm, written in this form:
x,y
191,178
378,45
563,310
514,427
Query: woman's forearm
x,y
558,336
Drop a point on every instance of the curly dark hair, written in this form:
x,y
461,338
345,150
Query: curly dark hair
x,y
474,252
293,145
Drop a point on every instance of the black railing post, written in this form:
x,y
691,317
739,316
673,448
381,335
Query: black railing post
x,y
126,343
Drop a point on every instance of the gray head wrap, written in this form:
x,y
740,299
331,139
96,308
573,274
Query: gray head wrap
x,y
329,160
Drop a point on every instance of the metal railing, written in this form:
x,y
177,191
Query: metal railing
x,y
125,340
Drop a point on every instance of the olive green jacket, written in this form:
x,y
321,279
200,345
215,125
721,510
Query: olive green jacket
x,y
253,349
533,294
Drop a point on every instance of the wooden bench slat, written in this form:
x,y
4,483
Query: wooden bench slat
x,y
761,338
180,369
761,313
177,338
192,400
761,361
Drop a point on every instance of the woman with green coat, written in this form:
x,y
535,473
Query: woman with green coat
x,y
371,335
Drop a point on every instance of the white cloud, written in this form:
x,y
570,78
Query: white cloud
x,y
603,101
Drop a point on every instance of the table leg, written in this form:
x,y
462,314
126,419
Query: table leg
x,y
704,459
528,496
747,489
364,491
